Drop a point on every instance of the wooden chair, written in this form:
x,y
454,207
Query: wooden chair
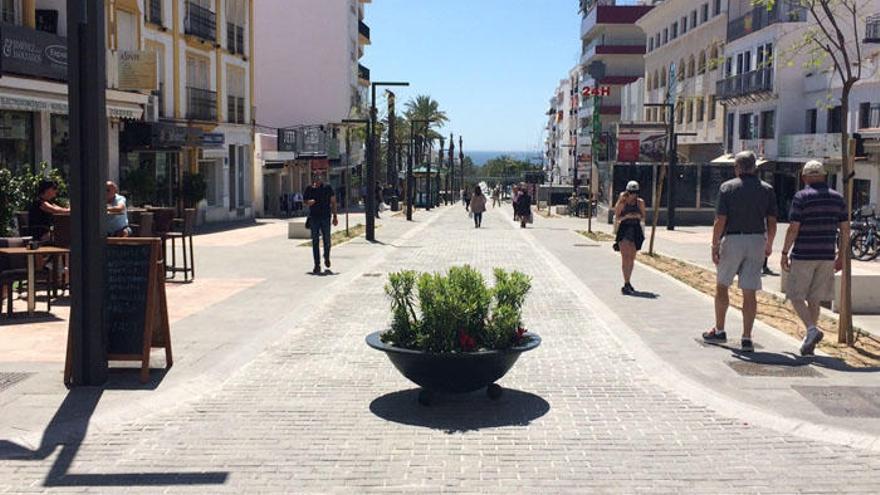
x,y
141,223
187,226
21,218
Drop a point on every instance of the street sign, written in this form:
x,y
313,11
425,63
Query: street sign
x,y
597,91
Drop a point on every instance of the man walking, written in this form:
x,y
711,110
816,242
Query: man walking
x,y
745,226
321,200
819,221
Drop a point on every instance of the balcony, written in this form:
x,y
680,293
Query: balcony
x,y
201,104
810,146
363,75
600,13
603,46
154,12
748,83
200,22
235,109
872,29
234,38
364,32
760,17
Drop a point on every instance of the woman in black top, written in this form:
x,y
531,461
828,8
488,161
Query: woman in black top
x,y
628,216
523,207
41,209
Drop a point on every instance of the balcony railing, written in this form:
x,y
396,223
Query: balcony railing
x,y
363,73
364,30
154,11
760,17
756,81
872,29
235,109
234,38
201,104
201,22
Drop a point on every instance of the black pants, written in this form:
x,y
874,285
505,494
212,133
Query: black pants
x,y
320,227
478,219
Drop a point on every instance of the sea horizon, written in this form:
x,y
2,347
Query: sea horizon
x,y
481,157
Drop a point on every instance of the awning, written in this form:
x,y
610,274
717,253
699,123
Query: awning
x,y
728,159
214,153
278,156
120,104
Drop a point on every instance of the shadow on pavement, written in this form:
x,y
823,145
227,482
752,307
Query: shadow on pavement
x,y
644,295
67,431
461,412
791,359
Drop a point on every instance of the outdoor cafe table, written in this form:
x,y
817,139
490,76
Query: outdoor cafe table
x,y
32,269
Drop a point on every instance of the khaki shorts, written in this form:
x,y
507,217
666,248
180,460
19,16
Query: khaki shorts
x,y
742,256
810,280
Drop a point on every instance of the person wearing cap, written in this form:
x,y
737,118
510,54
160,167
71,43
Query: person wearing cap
x,y
818,223
745,226
628,216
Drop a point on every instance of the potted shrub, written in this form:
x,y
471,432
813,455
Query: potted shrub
x,y
451,333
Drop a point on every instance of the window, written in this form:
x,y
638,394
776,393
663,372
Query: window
x,y
713,105
693,19
663,77
201,102
679,112
657,81
691,67
864,115
684,25
701,109
657,40
728,67
745,126
159,50
716,9
764,56
198,74
235,82
690,111
60,143
127,38
768,125
834,121
665,35
154,12
704,13
235,21
651,44
680,70
10,11
701,63
810,127
674,30
16,140
713,61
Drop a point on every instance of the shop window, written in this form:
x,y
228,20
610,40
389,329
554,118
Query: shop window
x,y
768,125
208,169
10,11
812,118
61,143
16,140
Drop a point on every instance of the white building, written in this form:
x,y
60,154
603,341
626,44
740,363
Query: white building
x,y
309,75
689,37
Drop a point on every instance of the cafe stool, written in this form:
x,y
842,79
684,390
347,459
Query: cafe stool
x,y
185,234
163,224
14,269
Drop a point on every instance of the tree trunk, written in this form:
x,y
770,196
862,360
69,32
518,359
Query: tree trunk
x,y
845,330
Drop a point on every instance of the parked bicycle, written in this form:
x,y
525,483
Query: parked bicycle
x,y
865,234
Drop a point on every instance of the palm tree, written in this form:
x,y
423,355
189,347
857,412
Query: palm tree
x,y
423,107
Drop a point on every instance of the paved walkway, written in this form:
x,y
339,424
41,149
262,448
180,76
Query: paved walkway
x,y
591,411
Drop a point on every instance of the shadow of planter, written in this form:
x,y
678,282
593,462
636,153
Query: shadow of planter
x,y
461,412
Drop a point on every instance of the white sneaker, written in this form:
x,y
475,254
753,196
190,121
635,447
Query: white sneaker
x,y
813,337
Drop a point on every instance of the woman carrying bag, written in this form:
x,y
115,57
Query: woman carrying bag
x,y
478,206
628,216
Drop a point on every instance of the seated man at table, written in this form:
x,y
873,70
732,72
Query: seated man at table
x,y
41,209
117,214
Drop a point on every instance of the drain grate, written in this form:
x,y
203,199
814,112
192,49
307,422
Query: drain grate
x,y
845,402
746,368
7,380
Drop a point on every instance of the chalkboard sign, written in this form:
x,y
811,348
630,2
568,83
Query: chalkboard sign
x,y
135,307
129,271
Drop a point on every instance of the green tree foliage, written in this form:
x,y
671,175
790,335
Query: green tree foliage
x,y
17,191
506,166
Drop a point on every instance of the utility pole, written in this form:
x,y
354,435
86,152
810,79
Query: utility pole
x,y
372,159
461,159
88,173
452,167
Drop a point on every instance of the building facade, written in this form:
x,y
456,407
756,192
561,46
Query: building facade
x,y
310,76
685,41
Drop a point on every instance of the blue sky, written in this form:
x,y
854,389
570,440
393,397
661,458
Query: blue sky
x,y
492,64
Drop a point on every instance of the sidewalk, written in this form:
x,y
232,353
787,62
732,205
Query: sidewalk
x,y
251,282
809,393
692,244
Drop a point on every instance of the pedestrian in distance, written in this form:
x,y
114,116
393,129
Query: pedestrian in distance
x,y
745,226
467,200
523,207
379,198
514,197
629,213
496,196
478,206
321,200
819,222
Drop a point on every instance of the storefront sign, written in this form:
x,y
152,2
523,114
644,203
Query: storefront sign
x,y
810,146
641,142
32,53
309,141
213,139
597,91
138,70
131,112
158,135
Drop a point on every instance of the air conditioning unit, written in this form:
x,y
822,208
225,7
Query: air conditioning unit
x,y
151,112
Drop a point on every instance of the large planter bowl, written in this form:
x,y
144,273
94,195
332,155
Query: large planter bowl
x,y
454,373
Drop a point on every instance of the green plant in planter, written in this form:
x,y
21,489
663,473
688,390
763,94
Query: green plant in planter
x,y
456,311
195,189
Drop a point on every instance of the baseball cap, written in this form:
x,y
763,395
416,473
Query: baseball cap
x,y
813,168
632,186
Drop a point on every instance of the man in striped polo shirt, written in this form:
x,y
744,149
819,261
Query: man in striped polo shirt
x,y
819,221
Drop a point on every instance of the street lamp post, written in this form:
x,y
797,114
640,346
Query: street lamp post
x,y
461,159
371,160
452,168
440,165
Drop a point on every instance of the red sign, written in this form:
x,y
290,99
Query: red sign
x,y
628,149
319,165
597,91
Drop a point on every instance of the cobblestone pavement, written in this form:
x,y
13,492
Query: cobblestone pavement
x,y
321,412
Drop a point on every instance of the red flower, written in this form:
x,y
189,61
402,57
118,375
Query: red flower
x,y
520,333
466,342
